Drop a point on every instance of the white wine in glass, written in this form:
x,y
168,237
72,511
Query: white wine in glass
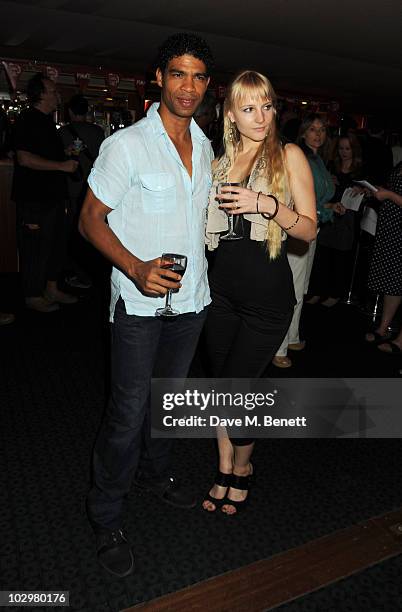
x,y
231,234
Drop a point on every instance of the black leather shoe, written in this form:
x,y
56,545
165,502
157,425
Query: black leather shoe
x,y
168,490
114,552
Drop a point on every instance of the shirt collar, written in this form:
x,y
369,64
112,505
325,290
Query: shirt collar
x,y
159,128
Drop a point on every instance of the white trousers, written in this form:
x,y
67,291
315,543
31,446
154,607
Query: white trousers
x,y
301,257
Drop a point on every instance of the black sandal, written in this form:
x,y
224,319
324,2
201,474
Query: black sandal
x,y
222,480
378,338
243,484
395,350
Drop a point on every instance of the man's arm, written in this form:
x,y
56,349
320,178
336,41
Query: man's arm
x,y
147,275
36,162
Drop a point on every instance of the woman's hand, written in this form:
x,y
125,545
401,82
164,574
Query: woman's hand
x,y
240,200
338,208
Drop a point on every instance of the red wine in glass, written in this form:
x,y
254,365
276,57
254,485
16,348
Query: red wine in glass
x,y
178,268
177,263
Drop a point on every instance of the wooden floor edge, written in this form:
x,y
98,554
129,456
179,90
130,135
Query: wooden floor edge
x,y
266,584
312,590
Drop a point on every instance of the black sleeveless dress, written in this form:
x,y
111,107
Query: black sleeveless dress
x,y
252,306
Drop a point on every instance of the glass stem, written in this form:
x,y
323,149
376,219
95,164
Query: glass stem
x,y
168,299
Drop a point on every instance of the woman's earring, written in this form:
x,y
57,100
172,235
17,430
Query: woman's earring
x,y
232,132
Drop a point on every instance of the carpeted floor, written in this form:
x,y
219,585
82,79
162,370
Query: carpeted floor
x,y
53,384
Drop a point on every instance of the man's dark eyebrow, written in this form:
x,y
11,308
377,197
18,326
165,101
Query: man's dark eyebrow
x,y
204,74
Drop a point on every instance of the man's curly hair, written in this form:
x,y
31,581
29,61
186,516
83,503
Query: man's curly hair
x,y
182,44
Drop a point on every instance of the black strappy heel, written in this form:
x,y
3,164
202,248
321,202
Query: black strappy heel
x,y
243,484
222,480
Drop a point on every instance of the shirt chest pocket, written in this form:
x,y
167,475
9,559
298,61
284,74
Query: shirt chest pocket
x,y
158,193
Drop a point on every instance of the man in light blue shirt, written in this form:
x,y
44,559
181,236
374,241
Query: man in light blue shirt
x,y
157,206
151,182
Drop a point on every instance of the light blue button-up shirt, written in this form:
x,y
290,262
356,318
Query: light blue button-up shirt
x,y
157,207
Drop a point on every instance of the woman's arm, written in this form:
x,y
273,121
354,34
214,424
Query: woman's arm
x,y
300,222
385,194
302,189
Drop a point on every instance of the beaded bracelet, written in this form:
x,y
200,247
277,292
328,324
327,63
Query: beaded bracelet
x,y
267,215
293,224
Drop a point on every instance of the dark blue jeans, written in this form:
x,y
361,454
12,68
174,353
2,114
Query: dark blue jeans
x,y
142,348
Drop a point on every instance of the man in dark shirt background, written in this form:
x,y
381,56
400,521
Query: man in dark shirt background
x,y
5,133
83,140
40,191
377,156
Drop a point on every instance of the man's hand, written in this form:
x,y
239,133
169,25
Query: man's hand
x,y
70,165
152,279
148,276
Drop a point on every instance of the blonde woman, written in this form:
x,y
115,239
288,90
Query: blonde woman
x,y
251,282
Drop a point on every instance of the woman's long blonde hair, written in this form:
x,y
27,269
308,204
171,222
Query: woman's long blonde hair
x,y
253,85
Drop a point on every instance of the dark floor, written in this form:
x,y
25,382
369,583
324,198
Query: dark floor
x,y
53,376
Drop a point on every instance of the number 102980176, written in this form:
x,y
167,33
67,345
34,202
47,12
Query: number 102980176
x,y
31,599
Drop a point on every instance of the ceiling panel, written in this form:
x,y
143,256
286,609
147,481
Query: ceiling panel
x,y
349,50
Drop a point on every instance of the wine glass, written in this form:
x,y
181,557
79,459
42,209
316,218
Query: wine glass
x,y
75,150
177,263
231,234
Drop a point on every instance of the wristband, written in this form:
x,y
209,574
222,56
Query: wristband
x,y
268,216
258,197
293,224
